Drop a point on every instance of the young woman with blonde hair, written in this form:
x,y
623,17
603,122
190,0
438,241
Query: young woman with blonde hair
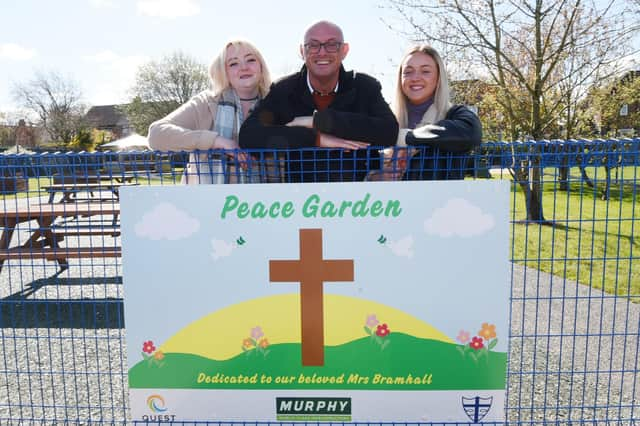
x,y
427,119
212,119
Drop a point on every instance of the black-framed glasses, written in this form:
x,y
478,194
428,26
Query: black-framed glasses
x,y
329,46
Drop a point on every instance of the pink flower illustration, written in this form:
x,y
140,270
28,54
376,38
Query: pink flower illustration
x,y
479,345
378,332
372,321
256,343
256,332
463,337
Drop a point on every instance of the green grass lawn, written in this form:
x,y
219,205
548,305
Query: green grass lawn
x,y
595,242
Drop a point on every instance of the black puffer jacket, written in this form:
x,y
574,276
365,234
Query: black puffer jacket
x,y
444,157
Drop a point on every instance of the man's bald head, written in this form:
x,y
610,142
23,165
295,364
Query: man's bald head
x,y
323,26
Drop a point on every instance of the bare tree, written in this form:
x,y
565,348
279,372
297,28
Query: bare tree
x,y
163,85
540,54
634,8
55,100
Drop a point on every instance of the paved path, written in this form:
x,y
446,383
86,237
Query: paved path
x,y
574,351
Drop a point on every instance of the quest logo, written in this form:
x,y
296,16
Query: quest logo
x,y
157,405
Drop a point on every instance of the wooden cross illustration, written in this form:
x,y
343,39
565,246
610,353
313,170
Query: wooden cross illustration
x,y
311,271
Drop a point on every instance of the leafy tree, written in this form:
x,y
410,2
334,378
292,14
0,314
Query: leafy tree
x,y
161,86
478,94
82,140
6,135
56,101
616,105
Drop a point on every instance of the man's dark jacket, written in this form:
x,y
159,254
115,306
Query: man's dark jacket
x,y
358,112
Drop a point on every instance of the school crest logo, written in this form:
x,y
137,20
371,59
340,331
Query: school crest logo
x,y
476,408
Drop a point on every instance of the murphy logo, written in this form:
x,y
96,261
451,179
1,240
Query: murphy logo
x,y
313,409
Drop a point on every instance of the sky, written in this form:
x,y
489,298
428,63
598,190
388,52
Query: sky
x,y
101,43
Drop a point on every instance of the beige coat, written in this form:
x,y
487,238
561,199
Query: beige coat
x,y
189,128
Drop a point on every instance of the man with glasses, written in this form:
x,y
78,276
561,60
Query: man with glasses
x,y
323,105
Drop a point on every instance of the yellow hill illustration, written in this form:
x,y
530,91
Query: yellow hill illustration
x,y
220,335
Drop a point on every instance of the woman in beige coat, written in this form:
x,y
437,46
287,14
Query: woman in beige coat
x,y
212,119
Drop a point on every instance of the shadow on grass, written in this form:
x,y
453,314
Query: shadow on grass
x,y
618,191
561,226
16,311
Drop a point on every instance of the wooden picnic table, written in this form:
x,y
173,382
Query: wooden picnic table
x,y
119,177
124,177
69,190
43,241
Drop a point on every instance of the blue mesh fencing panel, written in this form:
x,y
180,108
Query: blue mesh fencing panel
x,y
575,269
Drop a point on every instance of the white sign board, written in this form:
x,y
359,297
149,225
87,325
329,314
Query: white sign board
x,y
355,302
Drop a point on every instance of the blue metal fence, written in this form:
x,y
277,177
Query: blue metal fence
x,y
575,287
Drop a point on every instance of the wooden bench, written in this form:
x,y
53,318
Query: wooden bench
x,y
44,239
60,253
85,230
124,177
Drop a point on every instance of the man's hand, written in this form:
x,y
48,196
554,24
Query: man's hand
x,y
304,121
330,141
426,131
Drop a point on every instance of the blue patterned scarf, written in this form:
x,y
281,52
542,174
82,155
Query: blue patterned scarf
x,y
228,115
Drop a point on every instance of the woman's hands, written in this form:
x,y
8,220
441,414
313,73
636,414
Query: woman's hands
x,y
394,163
221,142
231,148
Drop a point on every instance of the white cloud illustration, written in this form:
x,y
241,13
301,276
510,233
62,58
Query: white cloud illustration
x,y
166,222
222,248
403,247
458,218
